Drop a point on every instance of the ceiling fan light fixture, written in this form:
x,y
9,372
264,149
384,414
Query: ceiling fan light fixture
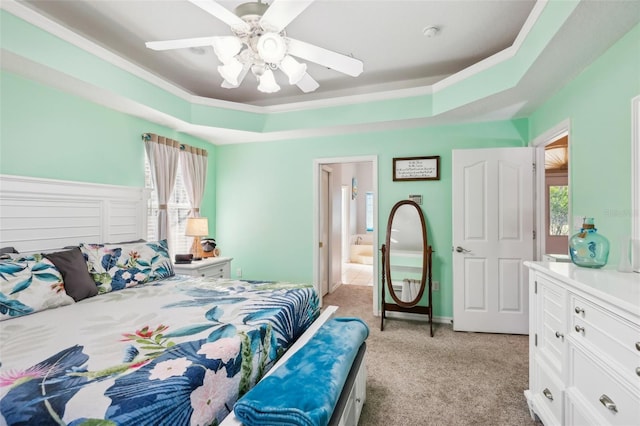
x,y
230,71
267,82
251,9
227,85
293,69
226,47
271,48
260,45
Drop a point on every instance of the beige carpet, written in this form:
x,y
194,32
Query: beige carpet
x,y
453,378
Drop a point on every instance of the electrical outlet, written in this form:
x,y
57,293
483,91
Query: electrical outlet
x,y
435,285
239,272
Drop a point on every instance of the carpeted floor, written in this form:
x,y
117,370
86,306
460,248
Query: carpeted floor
x,y
453,378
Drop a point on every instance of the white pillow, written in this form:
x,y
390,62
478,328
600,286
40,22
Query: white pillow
x,y
28,285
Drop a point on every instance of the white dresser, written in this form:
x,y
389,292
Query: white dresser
x,y
584,345
216,267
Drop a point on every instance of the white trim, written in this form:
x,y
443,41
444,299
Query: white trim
x,y
556,132
635,182
317,167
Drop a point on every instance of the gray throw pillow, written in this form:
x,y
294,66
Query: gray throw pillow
x,y
77,281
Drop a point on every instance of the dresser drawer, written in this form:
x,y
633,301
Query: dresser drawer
x,y
548,393
616,337
603,391
579,415
552,318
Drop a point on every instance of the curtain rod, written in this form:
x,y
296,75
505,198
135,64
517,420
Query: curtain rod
x,y
147,137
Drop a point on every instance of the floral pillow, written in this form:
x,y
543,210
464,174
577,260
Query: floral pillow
x,y
29,285
117,266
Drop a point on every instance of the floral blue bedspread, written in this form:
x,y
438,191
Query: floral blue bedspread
x,y
177,351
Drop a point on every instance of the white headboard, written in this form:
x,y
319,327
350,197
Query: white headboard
x,y
45,214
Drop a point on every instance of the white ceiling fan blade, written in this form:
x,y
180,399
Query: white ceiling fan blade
x,y
281,12
225,15
181,43
307,83
337,61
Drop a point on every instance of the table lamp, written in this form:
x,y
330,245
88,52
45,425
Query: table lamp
x,y
197,227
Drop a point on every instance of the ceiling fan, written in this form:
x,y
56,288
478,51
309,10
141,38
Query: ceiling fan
x,y
259,44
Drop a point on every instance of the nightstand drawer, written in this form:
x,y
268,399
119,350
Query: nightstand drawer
x,y
213,272
212,267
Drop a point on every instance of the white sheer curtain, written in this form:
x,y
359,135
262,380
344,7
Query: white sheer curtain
x,y
163,154
194,170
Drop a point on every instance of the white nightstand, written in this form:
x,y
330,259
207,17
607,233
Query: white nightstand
x,y
216,267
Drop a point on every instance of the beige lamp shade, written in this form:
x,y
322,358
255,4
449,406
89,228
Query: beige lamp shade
x,y
197,227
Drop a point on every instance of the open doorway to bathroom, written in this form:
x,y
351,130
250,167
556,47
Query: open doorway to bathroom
x,y
357,246
351,239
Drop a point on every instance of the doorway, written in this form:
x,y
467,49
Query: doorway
x,y
352,238
556,178
553,209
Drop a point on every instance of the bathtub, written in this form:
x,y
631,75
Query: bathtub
x,y
361,249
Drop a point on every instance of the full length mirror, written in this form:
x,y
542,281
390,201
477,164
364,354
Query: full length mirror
x,y
406,259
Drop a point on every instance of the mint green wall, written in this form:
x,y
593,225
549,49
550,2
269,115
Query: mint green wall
x,y
265,195
598,105
50,134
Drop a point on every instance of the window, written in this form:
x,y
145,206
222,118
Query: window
x,y
558,209
178,208
369,211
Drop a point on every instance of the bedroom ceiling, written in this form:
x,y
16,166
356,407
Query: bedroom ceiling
x,y
386,35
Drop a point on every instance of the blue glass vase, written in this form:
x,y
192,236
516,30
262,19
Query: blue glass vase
x,y
587,248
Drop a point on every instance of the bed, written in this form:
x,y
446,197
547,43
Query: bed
x,y
149,347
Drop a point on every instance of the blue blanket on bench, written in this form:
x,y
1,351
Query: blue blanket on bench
x,y
305,388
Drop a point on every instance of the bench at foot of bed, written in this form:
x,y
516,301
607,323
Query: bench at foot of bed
x,y
322,383
354,393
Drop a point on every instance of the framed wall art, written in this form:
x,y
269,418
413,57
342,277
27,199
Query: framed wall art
x,y
416,168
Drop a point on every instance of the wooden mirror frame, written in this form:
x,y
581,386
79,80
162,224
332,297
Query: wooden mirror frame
x,y
426,283
387,242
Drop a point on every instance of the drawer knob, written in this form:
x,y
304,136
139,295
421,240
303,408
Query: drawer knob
x,y
608,403
579,329
638,346
638,371
559,335
547,393
579,310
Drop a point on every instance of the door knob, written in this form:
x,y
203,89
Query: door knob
x,y
462,250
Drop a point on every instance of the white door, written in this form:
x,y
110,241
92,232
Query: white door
x,y
493,206
324,262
